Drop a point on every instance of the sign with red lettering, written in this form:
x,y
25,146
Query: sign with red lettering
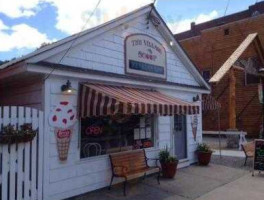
x,y
145,56
93,131
64,133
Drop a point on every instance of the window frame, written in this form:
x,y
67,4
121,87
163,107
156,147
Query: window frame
x,y
105,156
250,84
206,70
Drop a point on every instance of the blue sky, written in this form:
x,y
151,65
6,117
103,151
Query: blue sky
x,y
25,25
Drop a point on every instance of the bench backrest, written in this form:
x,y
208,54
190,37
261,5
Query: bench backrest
x,y
133,160
248,147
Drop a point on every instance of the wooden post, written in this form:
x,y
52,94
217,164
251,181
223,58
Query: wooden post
x,y
232,99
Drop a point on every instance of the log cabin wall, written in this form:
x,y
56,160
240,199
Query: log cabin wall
x,y
27,94
209,51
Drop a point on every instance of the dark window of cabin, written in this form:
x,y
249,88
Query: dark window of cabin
x,y
206,75
226,31
251,79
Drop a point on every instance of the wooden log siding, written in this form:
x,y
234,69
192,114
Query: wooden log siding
x,y
102,100
209,103
232,99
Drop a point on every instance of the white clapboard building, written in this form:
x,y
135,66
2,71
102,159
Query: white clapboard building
x,y
120,86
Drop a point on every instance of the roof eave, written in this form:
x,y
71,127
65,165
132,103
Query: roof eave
x,y
96,75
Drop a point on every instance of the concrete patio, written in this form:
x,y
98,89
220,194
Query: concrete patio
x,y
195,182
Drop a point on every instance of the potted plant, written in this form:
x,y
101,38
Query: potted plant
x,y
204,154
168,164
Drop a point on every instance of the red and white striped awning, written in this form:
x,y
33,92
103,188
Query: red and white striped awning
x,y
103,100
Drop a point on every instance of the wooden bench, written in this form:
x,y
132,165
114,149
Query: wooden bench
x,y
130,165
248,149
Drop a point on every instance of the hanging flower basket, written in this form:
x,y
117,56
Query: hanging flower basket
x,y
6,139
9,135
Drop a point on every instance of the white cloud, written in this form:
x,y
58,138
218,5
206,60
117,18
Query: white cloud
x,y
184,25
71,17
3,26
20,36
19,8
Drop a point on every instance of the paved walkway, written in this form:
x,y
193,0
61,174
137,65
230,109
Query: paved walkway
x,y
244,188
192,183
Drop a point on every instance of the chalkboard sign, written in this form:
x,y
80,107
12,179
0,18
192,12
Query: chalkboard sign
x,y
259,155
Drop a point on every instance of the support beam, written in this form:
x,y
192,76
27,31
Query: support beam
x,y
232,99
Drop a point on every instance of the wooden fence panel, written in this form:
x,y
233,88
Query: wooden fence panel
x,y
40,155
27,160
5,154
21,163
20,160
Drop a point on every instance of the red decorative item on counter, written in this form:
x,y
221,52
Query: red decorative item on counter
x,y
147,144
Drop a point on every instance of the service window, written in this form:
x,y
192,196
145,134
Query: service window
x,y
206,75
105,135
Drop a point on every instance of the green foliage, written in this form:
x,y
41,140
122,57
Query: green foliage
x,y
11,130
10,135
164,156
203,148
171,159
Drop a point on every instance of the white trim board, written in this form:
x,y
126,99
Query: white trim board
x,y
109,79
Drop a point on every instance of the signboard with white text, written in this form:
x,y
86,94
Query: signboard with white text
x,y
258,162
145,56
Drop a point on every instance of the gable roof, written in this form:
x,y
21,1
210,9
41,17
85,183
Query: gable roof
x,y
236,54
61,45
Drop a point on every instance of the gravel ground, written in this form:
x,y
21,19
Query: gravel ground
x,y
234,162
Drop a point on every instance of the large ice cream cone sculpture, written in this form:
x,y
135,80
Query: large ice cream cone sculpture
x,y
194,130
62,118
194,126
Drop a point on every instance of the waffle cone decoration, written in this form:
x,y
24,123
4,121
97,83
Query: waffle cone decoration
x,y
62,118
194,126
63,137
194,130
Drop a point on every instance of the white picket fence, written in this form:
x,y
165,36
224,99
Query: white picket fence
x,y
21,164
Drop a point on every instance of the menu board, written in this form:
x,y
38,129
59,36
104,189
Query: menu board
x,y
259,155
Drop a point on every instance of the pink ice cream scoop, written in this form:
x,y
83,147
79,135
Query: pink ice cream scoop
x,y
63,116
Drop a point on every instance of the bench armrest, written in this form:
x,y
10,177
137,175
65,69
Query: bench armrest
x,y
120,170
155,159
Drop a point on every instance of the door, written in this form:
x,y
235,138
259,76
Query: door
x,y
180,136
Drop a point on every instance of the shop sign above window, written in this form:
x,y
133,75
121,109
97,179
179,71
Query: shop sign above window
x,y
145,56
